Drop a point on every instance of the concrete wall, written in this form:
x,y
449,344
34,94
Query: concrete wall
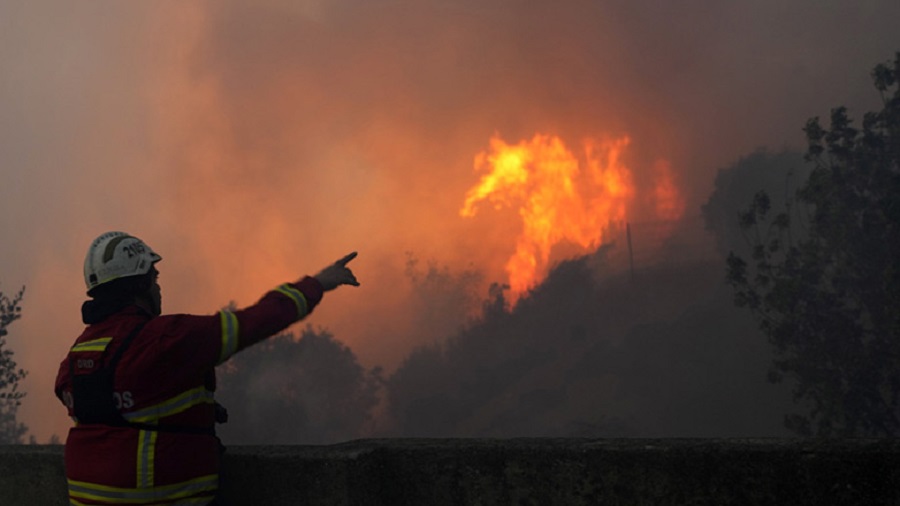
x,y
436,472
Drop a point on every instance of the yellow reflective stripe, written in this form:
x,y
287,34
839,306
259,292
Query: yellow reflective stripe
x,y
194,501
201,500
229,335
145,457
141,495
296,296
92,345
177,404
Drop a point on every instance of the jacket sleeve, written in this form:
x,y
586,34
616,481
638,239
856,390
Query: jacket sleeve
x,y
278,309
207,341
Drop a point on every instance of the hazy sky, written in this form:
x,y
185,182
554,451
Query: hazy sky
x,y
252,142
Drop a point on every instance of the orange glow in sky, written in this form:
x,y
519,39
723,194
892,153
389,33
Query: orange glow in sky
x,y
669,201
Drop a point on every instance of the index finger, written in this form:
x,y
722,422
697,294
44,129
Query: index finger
x,y
344,261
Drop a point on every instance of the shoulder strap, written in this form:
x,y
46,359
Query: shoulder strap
x,y
118,356
146,426
122,347
92,393
103,387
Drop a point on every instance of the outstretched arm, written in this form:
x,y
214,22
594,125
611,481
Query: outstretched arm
x,y
231,331
305,294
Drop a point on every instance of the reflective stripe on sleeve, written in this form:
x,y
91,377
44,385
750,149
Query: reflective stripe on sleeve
x,y
230,331
177,404
141,495
92,345
296,296
146,455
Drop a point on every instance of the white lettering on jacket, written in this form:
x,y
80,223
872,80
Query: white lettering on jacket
x,y
124,400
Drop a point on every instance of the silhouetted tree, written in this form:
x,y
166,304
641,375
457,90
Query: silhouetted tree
x,y
11,431
778,174
310,390
823,277
588,354
441,300
439,385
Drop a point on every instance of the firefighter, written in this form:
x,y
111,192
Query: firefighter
x,y
140,385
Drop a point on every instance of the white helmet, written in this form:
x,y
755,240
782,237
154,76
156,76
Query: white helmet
x,y
116,255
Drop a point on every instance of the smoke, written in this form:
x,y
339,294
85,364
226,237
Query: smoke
x,y
252,144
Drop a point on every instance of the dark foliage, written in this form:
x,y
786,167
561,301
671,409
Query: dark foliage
x,y
11,431
286,390
823,276
777,174
591,355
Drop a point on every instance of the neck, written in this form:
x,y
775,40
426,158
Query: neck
x,y
147,305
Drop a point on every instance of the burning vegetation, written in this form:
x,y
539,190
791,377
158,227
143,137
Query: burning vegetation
x,y
563,198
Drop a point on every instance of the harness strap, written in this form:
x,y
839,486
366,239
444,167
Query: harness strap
x,y
98,407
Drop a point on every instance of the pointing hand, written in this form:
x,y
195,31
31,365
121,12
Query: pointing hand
x,y
337,274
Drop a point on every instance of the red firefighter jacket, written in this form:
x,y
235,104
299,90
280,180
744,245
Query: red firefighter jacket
x,y
165,378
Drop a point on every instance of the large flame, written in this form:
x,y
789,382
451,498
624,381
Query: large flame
x,y
557,200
